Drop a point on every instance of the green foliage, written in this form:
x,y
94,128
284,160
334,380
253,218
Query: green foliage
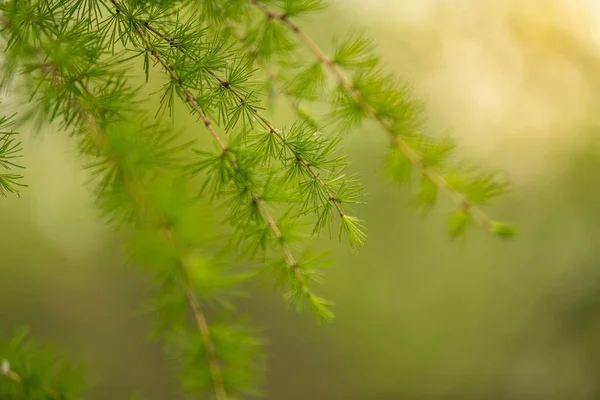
x,y
275,187
355,52
361,90
32,372
10,149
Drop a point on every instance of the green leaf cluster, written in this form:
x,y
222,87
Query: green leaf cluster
x,y
359,90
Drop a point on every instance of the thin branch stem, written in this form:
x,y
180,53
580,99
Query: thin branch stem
x,y
137,192
202,323
199,317
187,97
272,76
413,157
330,196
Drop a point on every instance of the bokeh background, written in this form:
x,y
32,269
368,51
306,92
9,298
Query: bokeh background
x,y
517,83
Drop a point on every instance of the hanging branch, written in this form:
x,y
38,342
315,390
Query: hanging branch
x,y
352,226
133,186
396,139
277,79
301,289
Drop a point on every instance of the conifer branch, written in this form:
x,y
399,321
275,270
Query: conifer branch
x,y
198,313
411,155
137,192
330,196
215,369
274,77
187,97
133,186
200,319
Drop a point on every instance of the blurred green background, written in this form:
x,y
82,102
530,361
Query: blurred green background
x,y
418,316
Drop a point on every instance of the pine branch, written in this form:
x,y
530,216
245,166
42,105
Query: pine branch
x,y
215,369
188,98
199,317
397,141
330,196
274,77
133,186
139,194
